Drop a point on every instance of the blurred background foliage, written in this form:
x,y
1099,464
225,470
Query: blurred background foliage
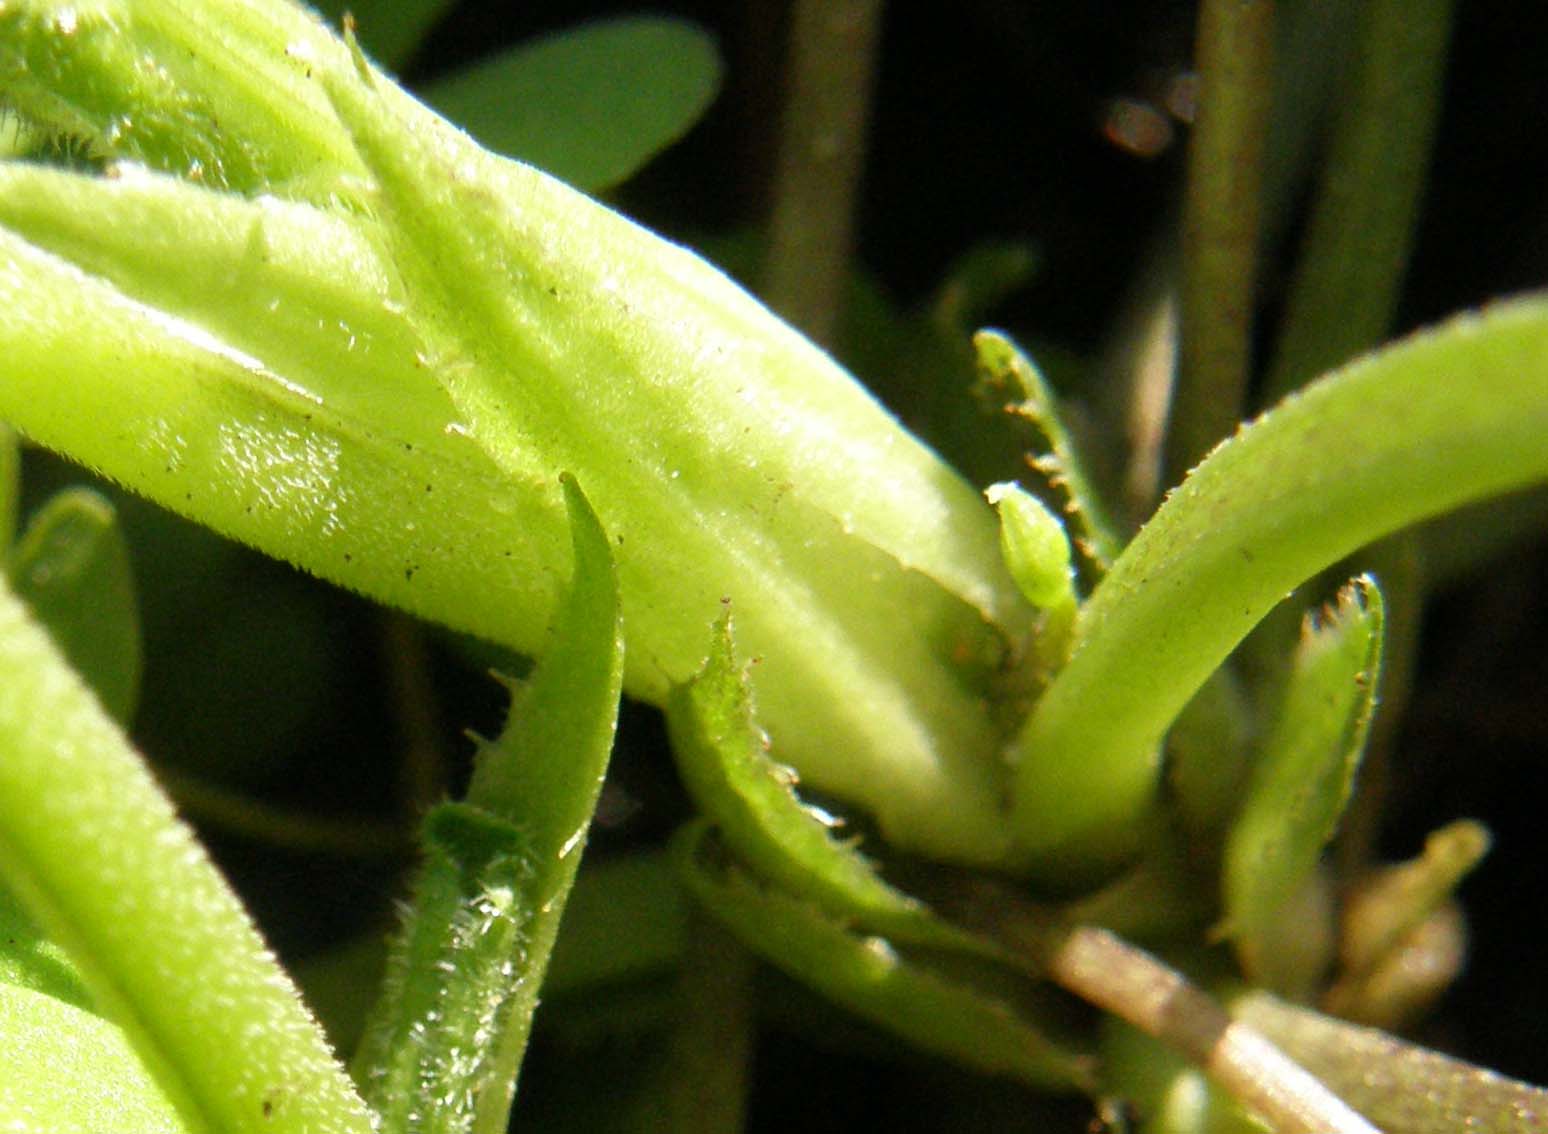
x,y
1023,169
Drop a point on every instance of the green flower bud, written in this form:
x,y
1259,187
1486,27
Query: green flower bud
x,y
373,351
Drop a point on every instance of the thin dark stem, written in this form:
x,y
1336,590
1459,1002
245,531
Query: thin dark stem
x,y
1346,287
822,150
422,771
709,1058
1220,226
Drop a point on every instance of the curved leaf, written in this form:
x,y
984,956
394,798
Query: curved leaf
x,y
722,757
93,850
1450,415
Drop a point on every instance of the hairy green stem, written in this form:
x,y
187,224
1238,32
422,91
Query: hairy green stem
x,y
1220,227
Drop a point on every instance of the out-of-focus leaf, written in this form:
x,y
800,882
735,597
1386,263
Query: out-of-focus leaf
x,y
1305,775
72,568
390,30
463,978
1382,911
870,978
589,105
10,488
725,765
1168,1094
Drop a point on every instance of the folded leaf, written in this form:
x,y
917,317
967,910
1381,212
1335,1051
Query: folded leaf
x,y
448,1036
867,976
1304,776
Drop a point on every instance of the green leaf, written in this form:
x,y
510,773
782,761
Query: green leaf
x,y
10,489
868,977
62,1066
1402,1088
1386,442
95,854
447,1039
589,105
723,759
1305,775
72,569
65,1068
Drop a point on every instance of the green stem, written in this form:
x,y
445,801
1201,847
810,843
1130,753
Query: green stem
x,y
241,814
422,773
10,489
1346,289
1391,440
709,1057
822,151
1220,226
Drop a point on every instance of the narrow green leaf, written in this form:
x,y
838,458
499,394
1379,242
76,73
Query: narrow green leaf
x,y
589,105
72,569
444,1046
94,852
1402,1088
1005,367
426,1062
723,758
1305,775
871,979
1388,441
